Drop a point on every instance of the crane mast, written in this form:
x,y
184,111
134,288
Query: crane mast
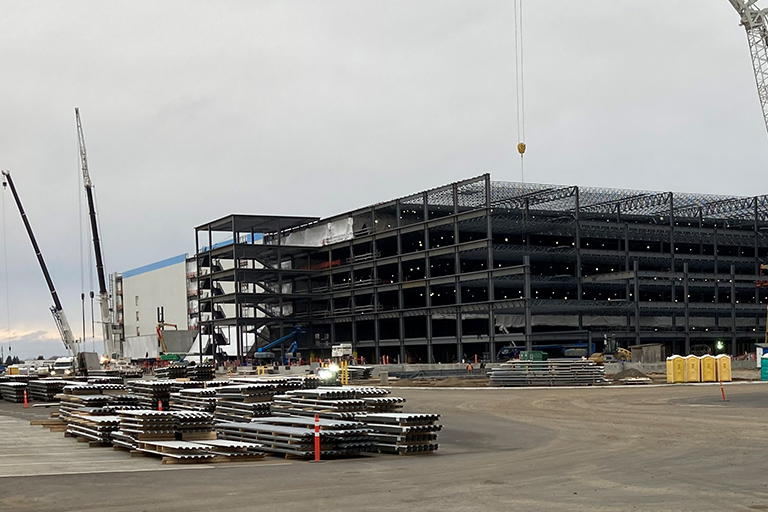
x,y
754,22
57,310
106,320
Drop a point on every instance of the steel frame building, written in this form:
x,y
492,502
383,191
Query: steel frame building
x,y
466,268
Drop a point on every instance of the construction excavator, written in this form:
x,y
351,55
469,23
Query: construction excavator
x,y
612,352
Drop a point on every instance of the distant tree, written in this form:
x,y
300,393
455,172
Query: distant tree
x,y
40,358
8,360
16,360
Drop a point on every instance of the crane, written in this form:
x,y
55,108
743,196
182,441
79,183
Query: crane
x,y
106,320
754,22
57,310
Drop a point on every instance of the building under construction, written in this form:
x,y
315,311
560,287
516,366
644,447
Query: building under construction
x,y
467,268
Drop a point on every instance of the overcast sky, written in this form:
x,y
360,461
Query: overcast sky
x,y
193,110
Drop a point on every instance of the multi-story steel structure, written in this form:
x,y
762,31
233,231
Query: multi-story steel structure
x,y
464,269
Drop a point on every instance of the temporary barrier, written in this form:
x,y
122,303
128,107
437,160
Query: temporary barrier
x,y
675,369
692,368
723,367
708,368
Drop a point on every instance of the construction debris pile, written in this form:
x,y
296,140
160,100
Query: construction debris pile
x,y
553,372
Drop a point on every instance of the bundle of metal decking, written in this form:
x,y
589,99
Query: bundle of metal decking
x,y
199,372
359,372
152,392
192,425
173,371
243,402
282,384
384,404
94,424
331,403
45,390
295,436
194,399
403,433
553,372
13,391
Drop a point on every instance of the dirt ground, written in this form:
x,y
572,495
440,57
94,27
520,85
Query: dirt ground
x,y
482,380
647,448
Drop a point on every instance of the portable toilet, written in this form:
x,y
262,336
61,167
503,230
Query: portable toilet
x,y
675,369
724,367
708,368
692,368
760,349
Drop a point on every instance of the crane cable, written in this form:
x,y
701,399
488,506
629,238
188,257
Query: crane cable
x,y
5,265
519,83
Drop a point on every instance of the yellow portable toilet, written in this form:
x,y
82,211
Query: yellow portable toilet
x,y
692,368
675,369
723,363
13,370
708,368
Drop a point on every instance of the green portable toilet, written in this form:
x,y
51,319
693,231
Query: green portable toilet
x,y
764,367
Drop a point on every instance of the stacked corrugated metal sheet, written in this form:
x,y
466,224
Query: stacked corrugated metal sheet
x,y
145,424
359,372
282,384
331,403
172,371
106,380
553,372
243,402
193,425
45,390
194,399
376,399
200,372
403,433
95,424
76,396
152,392
294,436
13,391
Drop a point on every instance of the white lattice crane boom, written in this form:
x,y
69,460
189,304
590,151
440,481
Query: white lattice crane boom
x,y
754,21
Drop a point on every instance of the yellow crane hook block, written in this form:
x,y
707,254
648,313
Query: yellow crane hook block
x,y
521,148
